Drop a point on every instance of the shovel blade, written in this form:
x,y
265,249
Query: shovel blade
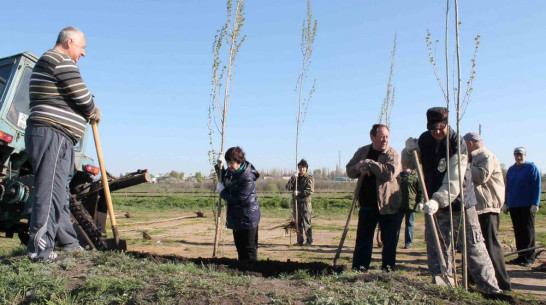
x,y
112,245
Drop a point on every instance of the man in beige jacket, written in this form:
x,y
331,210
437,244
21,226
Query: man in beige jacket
x,y
489,190
376,166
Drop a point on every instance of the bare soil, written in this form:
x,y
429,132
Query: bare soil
x,y
185,236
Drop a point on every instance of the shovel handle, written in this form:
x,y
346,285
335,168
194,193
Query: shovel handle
x,y
105,184
439,251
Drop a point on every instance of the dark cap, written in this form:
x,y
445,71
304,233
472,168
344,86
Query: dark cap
x,y
472,136
519,150
436,116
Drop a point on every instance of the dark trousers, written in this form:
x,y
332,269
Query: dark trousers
x,y
390,231
489,222
524,230
409,215
52,158
246,242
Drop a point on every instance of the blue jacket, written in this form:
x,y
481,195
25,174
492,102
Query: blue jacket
x,y
243,208
523,185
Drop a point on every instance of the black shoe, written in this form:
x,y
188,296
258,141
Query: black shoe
x,y
299,244
526,263
309,243
515,261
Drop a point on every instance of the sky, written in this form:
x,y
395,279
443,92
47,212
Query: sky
x,y
149,65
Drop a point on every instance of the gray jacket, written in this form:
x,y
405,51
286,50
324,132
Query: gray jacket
x,y
488,181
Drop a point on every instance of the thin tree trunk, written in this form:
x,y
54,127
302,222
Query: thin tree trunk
x,y
461,173
452,239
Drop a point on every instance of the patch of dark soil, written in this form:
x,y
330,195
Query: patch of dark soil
x,y
261,268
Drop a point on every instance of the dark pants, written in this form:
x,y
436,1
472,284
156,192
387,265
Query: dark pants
x,y
246,242
524,230
409,215
390,231
52,158
489,222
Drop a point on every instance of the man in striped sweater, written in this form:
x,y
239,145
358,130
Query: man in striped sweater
x,y
60,107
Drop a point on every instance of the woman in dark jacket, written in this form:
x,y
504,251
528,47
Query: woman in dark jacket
x,y
238,188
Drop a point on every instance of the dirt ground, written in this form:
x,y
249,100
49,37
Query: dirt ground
x,y
184,234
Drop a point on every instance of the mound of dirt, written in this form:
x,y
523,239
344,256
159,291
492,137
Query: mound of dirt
x,y
262,268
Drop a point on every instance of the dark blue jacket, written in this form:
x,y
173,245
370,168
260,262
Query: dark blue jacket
x,y
523,185
243,208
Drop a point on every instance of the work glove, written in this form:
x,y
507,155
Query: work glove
x,y
505,208
95,117
220,187
411,144
296,193
295,175
419,207
431,207
221,159
534,209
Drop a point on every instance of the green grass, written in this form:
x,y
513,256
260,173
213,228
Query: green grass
x,y
116,278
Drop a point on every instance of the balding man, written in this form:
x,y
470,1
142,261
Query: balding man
x,y
489,190
60,107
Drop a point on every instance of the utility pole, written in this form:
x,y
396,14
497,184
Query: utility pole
x,y
480,129
339,162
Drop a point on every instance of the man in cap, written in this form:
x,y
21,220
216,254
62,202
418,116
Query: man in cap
x,y
60,107
376,166
435,160
489,190
302,196
523,200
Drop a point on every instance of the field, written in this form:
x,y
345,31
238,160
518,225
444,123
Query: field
x,y
174,266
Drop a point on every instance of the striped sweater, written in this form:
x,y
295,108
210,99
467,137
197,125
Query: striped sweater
x,y
59,97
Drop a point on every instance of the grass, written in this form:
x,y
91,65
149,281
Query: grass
x,y
116,278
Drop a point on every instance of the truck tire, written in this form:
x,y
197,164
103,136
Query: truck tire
x,y
87,223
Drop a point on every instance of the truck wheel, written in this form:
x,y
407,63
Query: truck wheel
x,y
87,223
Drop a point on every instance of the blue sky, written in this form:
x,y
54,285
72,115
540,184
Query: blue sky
x,y
149,66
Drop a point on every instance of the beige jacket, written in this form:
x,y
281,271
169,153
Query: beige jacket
x,y
386,169
488,181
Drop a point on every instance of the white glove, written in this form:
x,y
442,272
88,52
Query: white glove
x,y
296,193
420,206
221,159
411,144
220,187
534,209
505,208
431,207
295,175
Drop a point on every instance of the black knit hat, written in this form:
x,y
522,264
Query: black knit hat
x,y
435,117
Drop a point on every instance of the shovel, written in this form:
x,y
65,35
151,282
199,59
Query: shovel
x,y
445,278
116,243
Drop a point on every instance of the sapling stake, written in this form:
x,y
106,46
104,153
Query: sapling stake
x,y
228,33
308,33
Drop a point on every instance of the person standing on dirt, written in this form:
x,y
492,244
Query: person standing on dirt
x,y
60,107
522,200
302,196
376,166
432,148
489,190
411,198
238,188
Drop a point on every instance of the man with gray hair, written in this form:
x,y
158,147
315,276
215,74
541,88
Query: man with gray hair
x,y
60,107
522,200
489,190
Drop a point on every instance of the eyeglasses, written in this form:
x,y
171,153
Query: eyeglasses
x,y
439,126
